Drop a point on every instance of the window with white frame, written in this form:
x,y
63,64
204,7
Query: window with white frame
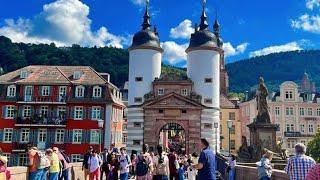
x,y
311,128
94,136
61,113
291,143
289,95
59,136
77,136
301,111
24,74
290,127
10,112
77,74
184,92
44,111
309,111
22,160
277,111
79,91
45,90
78,113
96,113
8,155
75,158
289,111
302,128
160,91
97,91
7,135
42,135
318,112
124,138
24,135
303,142
26,111
11,91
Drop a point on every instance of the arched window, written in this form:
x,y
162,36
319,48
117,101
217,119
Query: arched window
x,y
11,91
97,91
79,91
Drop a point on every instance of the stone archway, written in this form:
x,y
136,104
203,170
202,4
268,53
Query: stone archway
x,y
173,135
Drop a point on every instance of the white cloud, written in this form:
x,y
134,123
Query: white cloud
x,y
64,22
311,4
174,52
183,30
307,23
138,2
229,50
292,46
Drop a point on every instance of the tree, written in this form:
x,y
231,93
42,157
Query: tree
x,y
313,148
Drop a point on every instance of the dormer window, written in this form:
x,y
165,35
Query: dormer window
x,y
289,95
97,91
24,74
11,91
184,92
79,91
77,74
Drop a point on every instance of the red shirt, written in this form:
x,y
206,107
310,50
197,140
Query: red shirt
x,y
314,173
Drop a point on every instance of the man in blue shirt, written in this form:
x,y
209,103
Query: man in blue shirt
x,y
206,165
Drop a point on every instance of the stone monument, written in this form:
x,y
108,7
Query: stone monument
x,y
262,131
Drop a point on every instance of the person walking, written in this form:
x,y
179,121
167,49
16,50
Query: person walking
x,y
64,160
144,164
54,164
125,164
114,167
206,166
105,162
94,164
161,164
85,166
181,171
299,165
231,167
314,173
173,158
33,159
264,166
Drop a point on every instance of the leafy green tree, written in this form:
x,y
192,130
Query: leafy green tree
x,y
313,148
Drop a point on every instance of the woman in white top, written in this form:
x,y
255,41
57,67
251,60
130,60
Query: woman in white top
x,y
94,163
161,164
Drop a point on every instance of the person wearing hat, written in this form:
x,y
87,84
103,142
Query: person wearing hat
x,y
4,172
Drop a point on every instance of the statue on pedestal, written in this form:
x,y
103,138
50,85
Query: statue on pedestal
x,y
262,105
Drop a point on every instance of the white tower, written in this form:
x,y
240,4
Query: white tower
x,y
203,68
145,56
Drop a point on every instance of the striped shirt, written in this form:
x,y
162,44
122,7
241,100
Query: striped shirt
x,y
314,173
298,166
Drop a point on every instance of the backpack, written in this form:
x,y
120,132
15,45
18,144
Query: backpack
x,y
142,167
161,168
44,162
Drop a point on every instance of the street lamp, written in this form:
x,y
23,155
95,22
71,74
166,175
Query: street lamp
x,y
115,123
229,124
216,125
100,124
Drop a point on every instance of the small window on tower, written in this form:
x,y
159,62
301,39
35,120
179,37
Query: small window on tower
x,y
207,126
208,80
184,111
137,99
161,111
208,101
136,142
138,79
160,91
137,125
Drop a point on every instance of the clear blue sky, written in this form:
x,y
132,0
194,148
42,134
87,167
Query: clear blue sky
x,y
249,27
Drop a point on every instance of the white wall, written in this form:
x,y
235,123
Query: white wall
x,y
203,64
144,63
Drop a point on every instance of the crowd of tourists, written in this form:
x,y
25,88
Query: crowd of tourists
x,y
149,165
112,164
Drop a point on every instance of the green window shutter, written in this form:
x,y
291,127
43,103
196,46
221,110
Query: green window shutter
x,y
102,113
70,136
4,112
1,135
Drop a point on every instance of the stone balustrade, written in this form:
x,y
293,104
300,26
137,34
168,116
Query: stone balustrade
x,y
251,173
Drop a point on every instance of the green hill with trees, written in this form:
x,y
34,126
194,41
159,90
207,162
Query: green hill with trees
x,y
243,75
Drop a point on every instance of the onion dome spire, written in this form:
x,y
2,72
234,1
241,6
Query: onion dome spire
x,y
216,31
204,23
146,18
